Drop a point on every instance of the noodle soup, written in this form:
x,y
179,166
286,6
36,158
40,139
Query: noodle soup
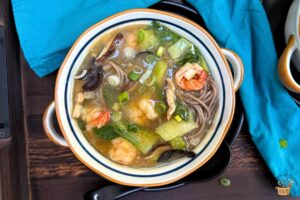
x,y
144,95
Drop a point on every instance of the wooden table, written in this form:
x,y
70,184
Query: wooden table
x,y
35,168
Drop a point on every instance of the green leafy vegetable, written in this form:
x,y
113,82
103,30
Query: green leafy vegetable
x,y
160,51
164,34
150,59
110,94
160,72
133,127
133,76
178,48
192,56
147,38
160,107
178,143
183,111
81,124
178,118
106,132
143,140
203,63
172,129
123,97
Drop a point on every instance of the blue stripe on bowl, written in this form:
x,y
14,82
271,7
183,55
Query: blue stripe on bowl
x,y
68,115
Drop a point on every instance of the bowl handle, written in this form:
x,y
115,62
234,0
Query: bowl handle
x,y
49,127
284,69
237,67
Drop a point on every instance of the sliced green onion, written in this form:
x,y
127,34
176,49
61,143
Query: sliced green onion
x,y
150,59
283,143
133,76
123,97
145,76
160,51
225,182
116,116
141,35
178,118
160,107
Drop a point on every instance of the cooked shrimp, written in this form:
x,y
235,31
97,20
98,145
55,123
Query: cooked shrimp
x,y
122,151
191,77
131,39
147,108
170,98
100,119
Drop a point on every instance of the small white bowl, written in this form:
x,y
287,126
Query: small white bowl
x,y
155,176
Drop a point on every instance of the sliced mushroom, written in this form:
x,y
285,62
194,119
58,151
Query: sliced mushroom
x,y
93,79
170,94
109,49
159,150
167,155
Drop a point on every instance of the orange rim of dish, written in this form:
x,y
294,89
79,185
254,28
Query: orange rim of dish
x,y
188,171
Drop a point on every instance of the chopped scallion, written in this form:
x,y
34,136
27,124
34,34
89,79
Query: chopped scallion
x,y
133,76
160,107
123,97
178,118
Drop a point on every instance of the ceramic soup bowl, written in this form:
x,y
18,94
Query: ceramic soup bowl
x,y
292,49
73,137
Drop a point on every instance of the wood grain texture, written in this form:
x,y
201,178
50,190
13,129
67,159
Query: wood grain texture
x,y
14,183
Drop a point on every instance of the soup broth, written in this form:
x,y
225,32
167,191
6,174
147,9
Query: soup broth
x,y
144,95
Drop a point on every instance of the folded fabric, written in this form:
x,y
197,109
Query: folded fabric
x,y
47,28
272,115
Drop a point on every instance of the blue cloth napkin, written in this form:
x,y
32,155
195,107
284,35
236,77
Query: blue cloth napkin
x,y
47,28
273,117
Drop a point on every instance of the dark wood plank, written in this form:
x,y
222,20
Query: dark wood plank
x,y
13,161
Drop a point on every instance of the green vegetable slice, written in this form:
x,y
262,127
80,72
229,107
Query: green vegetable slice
x,y
106,132
165,35
123,97
225,182
150,59
160,51
133,76
110,94
183,111
133,127
143,140
160,72
160,107
203,63
81,124
172,129
178,143
147,39
178,48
